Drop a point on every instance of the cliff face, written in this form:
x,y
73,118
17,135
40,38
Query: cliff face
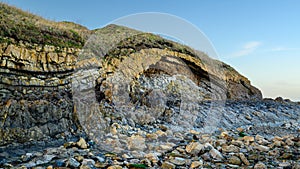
x,y
35,89
40,71
145,53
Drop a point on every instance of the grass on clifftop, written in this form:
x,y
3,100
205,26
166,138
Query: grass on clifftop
x,y
24,26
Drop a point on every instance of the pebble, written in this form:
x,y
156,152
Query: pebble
x,y
26,157
50,167
230,149
260,165
216,154
233,166
248,117
73,163
196,164
261,148
79,158
297,165
237,143
206,157
261,140
289,142
248,139
60,163
89,162
166,147
221,142
178,161
85,167
234,160
285,165
100,158
152,136
48,158
194,148
115,167
168,165
277,143
274,152
146,162
286,156
82,143
244,159
152,157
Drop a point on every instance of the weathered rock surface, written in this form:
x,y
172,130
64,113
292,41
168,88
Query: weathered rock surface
x,y
153,102
35,92
49,91
147,54
36,81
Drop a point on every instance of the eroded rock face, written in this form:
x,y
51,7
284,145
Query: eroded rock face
x,y
153,79
134,57
35,92
38,85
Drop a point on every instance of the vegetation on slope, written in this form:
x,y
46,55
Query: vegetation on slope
x,y
130,41
24,26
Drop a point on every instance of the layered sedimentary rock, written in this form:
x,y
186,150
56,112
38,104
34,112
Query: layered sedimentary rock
x,y
146,53
35,91
147,80
42,84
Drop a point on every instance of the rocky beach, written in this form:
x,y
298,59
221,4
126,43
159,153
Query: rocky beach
x,y
118,98
252,145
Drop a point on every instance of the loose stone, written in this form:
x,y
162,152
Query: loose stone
x,y
194,148
196,164
234,160
230,149
168,165
260,165
82,143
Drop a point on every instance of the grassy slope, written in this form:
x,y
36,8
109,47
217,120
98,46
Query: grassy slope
x,y
23,26
132,39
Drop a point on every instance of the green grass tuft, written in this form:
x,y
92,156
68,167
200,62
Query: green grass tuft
x,y
137,165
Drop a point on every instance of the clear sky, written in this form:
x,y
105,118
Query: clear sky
x,y
259,38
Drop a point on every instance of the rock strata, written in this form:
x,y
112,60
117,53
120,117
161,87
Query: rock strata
x,y
129,99
35,93
37,81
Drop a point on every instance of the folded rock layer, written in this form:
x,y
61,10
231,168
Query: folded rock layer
x,y
41,73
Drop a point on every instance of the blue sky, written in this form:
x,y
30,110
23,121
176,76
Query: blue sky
x,y
259,38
